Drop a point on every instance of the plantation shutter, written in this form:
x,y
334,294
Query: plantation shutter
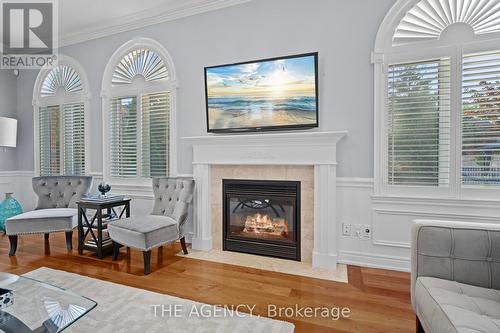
x,y
155,134
419,123
481,119
123,126
49,141
74,139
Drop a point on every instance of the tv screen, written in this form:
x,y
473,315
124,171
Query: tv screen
x,y
269,94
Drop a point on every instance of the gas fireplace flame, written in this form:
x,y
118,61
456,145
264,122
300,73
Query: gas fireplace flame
x,y
265,224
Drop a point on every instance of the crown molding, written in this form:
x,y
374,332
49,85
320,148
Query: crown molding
x,y
146,18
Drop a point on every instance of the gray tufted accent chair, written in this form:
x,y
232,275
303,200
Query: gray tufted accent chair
x,y
60,191
55,211
455,276
172,198
166,223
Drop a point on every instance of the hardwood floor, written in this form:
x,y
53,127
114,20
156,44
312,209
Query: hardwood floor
x,y
379,300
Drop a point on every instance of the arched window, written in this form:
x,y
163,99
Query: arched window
x,y
437,99
138,109
60,100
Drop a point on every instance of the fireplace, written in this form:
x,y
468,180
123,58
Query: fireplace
x,y
262,217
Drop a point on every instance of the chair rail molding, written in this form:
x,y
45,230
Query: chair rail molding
x,y
301,148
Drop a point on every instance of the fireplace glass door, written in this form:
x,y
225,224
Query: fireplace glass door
x,y
267,219
262,217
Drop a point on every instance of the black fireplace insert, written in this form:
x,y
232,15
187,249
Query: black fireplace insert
x,y
262,217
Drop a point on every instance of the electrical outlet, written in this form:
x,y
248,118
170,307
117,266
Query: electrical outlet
x,y
365,231
346,229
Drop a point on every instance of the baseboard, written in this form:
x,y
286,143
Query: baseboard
x,y
364,259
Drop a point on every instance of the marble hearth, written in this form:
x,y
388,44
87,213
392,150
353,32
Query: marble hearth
x,y
309,157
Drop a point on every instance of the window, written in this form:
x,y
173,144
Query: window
x,y
428,19
139,111
438,109
419,123
60,104
481,119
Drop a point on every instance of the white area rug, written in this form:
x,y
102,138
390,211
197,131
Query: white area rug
x,y
270,264
123,309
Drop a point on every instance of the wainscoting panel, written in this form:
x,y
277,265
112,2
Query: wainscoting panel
x,y
389,217
9,184
6,187
392,228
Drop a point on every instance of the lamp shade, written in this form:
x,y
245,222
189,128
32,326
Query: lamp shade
x,y
8,132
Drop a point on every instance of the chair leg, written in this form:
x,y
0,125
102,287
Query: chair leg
x,y
13,245
419,329
183,244
147,262
69,240
116,251
46,237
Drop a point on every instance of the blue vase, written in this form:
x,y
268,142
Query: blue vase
x,y
8,208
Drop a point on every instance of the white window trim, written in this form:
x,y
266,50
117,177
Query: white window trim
x,y
109,91
78,97
385,54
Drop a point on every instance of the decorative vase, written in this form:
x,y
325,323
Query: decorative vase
x,y
104,188
8,208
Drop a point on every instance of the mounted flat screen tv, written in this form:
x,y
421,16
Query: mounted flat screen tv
x,y
269,94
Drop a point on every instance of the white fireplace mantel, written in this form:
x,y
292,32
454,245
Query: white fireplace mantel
x,y
299,148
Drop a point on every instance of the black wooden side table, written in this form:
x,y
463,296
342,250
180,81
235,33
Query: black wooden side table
x,y
96,222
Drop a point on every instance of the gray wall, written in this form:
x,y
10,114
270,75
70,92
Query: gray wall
x,y
8,108
342,31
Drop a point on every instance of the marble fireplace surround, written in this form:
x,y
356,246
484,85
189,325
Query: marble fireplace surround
x,y
306,156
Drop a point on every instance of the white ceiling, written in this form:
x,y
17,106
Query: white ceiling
x,y
82,20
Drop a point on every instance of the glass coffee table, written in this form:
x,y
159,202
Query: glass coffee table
x,y
40,307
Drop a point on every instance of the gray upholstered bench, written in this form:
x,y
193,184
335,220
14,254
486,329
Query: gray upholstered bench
x,y
55,211
165,224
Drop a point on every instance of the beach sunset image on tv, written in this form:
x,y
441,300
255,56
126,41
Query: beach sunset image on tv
x,y
266,94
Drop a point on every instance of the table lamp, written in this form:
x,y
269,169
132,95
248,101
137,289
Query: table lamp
x,y
8,132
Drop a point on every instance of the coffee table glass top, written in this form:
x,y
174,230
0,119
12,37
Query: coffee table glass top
x,y
40,307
